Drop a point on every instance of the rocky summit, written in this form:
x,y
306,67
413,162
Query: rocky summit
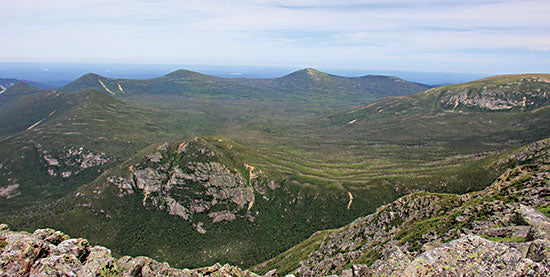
x,y
47,252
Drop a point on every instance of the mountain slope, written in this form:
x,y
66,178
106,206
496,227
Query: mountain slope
x,y
526,92
6,83
232,107
377,85
502,109
212,204
212,199
502,229
53,142
423,233
26,111
16,91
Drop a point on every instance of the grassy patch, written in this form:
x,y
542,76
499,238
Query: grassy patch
x,y
368,257
501,239
544,209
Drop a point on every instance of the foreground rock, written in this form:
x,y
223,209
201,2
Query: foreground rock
x,y
47,252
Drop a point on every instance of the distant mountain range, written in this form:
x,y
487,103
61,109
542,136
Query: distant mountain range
x,y
301,81
58,74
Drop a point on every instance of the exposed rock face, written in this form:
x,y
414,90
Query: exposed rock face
x,y
9,190
470,255
189,179
372,232
71,161
537,152
51,253
500,230
9,185
524,94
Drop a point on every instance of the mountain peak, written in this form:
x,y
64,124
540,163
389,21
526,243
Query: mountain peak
x,y
307,73
310,70
22,85
91,76
185,73
88,77
17,90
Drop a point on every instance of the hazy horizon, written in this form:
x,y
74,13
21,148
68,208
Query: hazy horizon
x,y
51,75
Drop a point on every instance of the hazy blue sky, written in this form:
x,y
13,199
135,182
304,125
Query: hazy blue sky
x,y
488,36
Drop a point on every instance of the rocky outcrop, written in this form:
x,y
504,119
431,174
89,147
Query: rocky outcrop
x,y
501,230
9,190
470,255
47,252
525,93
68,162
189,178
537,152
372,232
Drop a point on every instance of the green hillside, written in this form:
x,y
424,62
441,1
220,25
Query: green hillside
x,y
54,142
503,110
6,83
18,90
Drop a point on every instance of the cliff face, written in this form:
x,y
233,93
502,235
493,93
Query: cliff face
x,y
47,252
518,93
189,179
503,229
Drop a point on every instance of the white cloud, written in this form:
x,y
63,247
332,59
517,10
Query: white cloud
x,y
411,34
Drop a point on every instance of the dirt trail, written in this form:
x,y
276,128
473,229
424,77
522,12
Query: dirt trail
x,y
350,199
105,87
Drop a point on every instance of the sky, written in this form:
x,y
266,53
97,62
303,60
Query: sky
x,y
481,36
